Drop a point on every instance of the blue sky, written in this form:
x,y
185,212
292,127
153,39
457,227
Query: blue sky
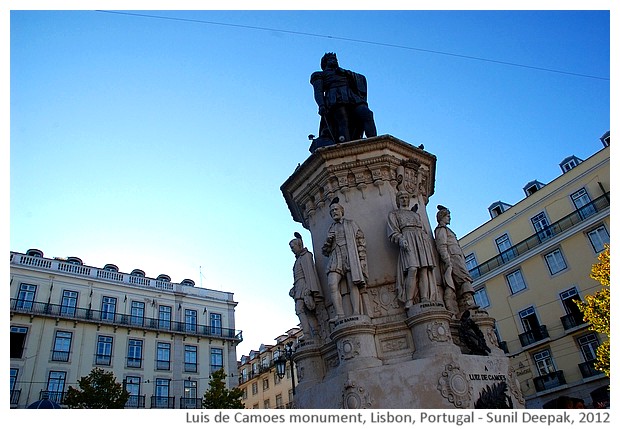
x,y
161,143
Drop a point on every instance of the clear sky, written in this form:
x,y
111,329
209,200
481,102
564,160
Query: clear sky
x,y
161,143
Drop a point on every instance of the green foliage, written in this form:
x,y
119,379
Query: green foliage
x,y
218,396
99,389
596,309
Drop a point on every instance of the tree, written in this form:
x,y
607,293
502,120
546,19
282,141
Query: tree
x,y
218,396
99,389
596,309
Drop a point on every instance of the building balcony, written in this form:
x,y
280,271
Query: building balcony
x,y
549,381
587,369
530,337
116,319
135,401
187,403
57,397
162,401
572,320
541,237
15,394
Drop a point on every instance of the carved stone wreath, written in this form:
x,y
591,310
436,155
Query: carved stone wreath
x,y
349,348
355,397
437,331
455,387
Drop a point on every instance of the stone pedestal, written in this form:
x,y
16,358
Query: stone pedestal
x,y
385,357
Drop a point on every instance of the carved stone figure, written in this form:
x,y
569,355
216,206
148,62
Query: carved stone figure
x,y
347,270
472,337
414,275
306,290
458,292
342,99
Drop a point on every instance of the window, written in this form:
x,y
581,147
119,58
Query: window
x,y
191,319
581,200
62,346
541,225
104,350
25,296
544,363
190,394
163,356
191,358
134,354
529,320
470,262
568,302
588,345
162,392
279,403
265,384
216,323
481,298
217,359
254,388
555,261
244,375
505,248
516,281
108,308
137,313
569,165
56,385
18,341
245,393
165,316
266,404
68,303
132,385
598,238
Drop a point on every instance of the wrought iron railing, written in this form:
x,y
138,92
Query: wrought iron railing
x,y
530,337
540,237
588,370
112,318
549,381
572,320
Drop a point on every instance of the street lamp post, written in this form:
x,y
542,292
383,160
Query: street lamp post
x,y
283,357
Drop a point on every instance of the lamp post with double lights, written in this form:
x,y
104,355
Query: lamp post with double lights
x,y
283,357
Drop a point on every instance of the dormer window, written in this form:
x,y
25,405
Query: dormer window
x,y
532,187
34,252
605,139
110,267
137,273
188,282
497,208
74,260
163,278
569,163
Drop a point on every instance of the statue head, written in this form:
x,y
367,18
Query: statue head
x,y
296,244
442,213
336,211
402,199
327,58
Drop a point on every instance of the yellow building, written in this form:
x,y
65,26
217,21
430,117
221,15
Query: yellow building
x,y
161,339
530,261
262,387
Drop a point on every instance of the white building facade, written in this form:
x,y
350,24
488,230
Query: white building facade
x,y
161,339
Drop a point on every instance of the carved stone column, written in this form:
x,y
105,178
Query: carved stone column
x,y
430,327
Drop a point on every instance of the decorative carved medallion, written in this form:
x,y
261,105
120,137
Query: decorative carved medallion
x,y
355,397
437,331
348,348
455,387
383,299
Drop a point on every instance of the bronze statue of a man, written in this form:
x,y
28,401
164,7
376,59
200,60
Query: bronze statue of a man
x,y
342,99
